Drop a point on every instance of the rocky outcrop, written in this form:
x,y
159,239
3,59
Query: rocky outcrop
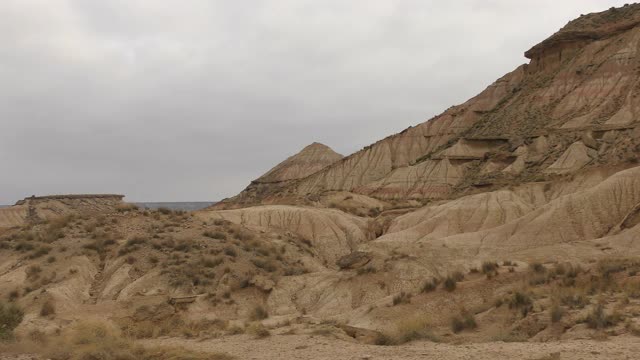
x,y
583,30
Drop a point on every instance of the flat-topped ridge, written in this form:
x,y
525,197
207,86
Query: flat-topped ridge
x,y
71,196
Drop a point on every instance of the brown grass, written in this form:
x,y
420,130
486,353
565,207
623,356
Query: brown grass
x,y
98,340
406,330
258,330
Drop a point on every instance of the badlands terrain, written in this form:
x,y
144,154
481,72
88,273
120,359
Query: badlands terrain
x,y
506,227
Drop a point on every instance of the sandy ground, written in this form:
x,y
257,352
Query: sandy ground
x,y
320,348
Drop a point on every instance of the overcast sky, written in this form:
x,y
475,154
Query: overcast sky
x,y
191,99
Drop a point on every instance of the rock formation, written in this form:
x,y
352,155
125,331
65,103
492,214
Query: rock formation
x,y
308,161
582,84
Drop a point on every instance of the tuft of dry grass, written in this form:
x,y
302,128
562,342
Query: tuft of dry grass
x,y
258,330
10,318
430,285
48,308
449,283
402,298
258,313
99,340
464,321
406,330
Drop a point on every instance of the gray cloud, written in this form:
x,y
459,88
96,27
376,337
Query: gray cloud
x,y
189,100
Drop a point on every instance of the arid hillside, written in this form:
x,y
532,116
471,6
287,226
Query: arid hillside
x,y
573,106
505,228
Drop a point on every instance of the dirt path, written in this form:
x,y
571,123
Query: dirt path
x,y
302,347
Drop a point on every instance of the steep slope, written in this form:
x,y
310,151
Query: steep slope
x,y
574,105
309,160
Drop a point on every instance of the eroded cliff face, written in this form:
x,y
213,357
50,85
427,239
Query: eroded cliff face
x,y
575,105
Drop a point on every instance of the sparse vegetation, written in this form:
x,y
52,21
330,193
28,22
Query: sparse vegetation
x,y
449,283
402,298
556,313
96,340
258,330
218,235
407,330
537,267
464,321
48,308
489,267
10,318
598,319
521,301
258,313
369,269
430,285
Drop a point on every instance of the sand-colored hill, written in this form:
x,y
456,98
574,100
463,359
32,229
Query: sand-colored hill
x,y
309,160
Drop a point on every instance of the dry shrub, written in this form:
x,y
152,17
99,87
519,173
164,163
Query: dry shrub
x,y
257,330
97,340
48,308
449,283
218,235
402,298
10,318
258,313
464,321
124,207
430,285
406,330
521,301
598,319
489,267
537,267
556,313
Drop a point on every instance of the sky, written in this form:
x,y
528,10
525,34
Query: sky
x,y
189,100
